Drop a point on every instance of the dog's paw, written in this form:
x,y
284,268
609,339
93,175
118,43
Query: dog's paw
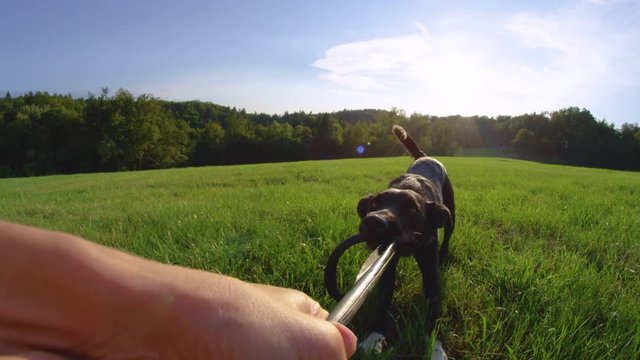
x,y
375,342
438,352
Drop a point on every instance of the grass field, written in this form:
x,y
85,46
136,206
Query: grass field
x,y
545,259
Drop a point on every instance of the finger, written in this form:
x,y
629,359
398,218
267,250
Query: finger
x,y
324,340
349,339
316,310
308,306
322,314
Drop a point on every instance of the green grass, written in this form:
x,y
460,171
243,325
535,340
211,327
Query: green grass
x,y
545,259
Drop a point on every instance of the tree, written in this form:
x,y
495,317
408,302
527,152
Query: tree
x,y
134,133
327,137
241,140
525,143
442,134
630,147
577,128
355,135
467,134
209,145
383,141
150,137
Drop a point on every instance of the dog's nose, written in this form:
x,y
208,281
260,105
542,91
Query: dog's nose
x,y
375,223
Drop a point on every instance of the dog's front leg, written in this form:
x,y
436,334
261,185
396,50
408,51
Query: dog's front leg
x,y
427,259
382,321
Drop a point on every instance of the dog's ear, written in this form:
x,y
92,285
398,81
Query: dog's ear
x,y
363,204
438,214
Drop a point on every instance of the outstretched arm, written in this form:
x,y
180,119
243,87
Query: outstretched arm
x,y
62,295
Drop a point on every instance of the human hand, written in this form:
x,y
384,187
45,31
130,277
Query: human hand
x,y
298,304
217,317
74,299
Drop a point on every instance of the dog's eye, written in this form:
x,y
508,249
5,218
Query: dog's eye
x,y
373,205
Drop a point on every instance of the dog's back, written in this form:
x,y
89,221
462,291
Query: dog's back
x,y
433,170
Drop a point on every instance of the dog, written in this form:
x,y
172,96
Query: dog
x,y
410,212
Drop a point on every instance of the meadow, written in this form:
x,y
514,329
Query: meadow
x,y
545,259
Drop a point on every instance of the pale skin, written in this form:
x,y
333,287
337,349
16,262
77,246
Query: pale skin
x,y
65,297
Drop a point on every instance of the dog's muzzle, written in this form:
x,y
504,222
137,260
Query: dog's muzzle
x,y
376,229
379,228
375,224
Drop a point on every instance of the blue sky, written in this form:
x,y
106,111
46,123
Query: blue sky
x,y
464,57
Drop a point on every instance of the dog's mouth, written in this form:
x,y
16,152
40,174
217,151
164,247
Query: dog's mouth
x,y
406,244
381,228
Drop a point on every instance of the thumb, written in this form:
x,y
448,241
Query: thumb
x,y
348,338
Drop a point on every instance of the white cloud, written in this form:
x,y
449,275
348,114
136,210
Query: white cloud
x,y
521,63
370,65
524,62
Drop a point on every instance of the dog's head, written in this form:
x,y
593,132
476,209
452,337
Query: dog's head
x,y
402,215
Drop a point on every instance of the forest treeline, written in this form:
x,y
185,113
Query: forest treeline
x,y
44,134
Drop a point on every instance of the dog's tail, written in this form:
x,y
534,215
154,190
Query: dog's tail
x,y
408,142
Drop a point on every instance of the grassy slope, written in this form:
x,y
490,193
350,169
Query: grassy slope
x,y
546,259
